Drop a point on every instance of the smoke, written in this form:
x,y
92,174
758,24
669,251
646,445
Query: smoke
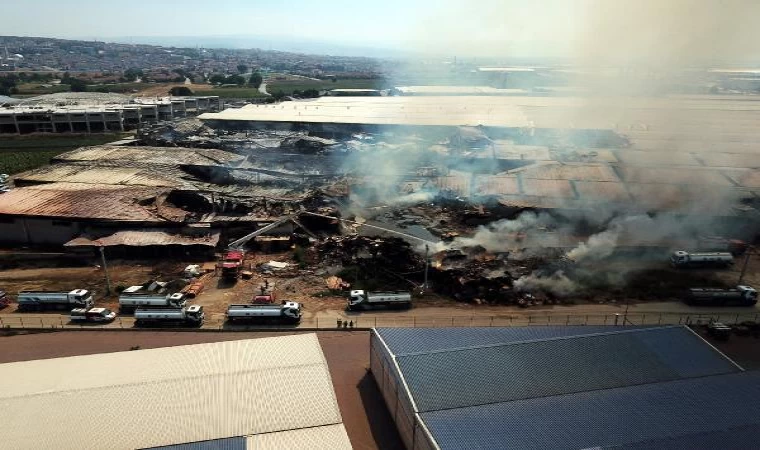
x,y
557,284
503,235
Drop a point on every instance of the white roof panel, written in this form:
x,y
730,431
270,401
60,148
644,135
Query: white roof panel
x,y
165,396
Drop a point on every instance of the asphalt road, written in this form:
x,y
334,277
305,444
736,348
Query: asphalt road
x,y
656,313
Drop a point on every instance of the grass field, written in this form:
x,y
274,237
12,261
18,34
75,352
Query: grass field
x,y
290,85
231,92
119,88
36,89
20,153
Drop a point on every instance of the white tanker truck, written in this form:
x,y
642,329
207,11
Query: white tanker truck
x,y
682,259
287,312
362,299
191,316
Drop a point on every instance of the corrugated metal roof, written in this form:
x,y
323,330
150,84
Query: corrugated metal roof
x,y
139,238
170,395
235,443
113,175
631,417
542,368
672,175
76,200
328,437
658,158
402,341
557,171
547,188
152,155
601,190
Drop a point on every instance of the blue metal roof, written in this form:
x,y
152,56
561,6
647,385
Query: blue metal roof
x,y
639,417
402,341
499,373
234,443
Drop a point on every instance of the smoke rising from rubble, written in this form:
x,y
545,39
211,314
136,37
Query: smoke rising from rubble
x,y
632,51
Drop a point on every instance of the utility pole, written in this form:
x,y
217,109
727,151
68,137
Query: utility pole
x,y
746,263
105,270
427,265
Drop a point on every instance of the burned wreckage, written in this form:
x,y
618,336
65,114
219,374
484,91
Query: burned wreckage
x,y
510,214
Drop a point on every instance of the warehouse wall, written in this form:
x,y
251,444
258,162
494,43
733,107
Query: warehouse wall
x,y
385,371
27,231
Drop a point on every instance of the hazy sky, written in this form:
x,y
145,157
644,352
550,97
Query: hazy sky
x,y
658,31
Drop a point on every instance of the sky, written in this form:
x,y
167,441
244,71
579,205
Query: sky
x,y
658,31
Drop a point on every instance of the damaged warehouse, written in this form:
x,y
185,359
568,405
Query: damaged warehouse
x,y
502,199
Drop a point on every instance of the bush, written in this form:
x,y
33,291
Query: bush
x,y
180,91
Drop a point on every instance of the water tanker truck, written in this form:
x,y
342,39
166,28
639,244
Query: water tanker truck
x,y
93,315
739,296
287,312
128,302
38,300
360,299
191,316
682,259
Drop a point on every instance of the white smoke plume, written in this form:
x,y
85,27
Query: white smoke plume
x,y
557,283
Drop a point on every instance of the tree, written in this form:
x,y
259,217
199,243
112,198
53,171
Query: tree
x,y
77,85
217,79
235,79
133,74
181,91
256,80
242,68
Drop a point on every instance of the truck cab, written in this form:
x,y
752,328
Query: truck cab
x,y
195,314
748,293
356,298
291,310
679,258
92,315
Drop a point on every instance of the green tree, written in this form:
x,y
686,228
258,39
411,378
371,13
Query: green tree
x,y
77,85
242,68
133,74
180,91
235,79
217,79
256,80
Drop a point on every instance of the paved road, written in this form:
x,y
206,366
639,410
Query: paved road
x,y
642,314
263,89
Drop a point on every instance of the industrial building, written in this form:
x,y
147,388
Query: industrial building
x,y
269,393
96,113
563,387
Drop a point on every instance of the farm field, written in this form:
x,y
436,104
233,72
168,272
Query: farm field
x,y
21,153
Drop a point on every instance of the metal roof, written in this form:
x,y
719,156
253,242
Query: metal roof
x,y
235,443
152,155
172,395
675,414
140,238
403,341
557,366
568,171
76,200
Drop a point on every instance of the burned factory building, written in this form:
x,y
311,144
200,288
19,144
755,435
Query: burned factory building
x,y
503,198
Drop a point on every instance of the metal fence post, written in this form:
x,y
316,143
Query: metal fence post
x,y
375,321
737,319
530,318
414,321
567,322
659,322
491,322
21,319
42,325
317,321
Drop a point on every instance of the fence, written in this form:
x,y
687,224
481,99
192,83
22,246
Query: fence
x,y
217,322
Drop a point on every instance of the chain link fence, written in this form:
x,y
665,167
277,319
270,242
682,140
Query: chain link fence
x,y
217,322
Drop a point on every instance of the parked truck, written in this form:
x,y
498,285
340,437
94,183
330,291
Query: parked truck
x,y
93,315
232,264
38,300
738,296
287,312
360,299
191,316
129,302
682,259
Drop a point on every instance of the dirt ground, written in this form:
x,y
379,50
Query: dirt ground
x,y
365,416
162,89
303,286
